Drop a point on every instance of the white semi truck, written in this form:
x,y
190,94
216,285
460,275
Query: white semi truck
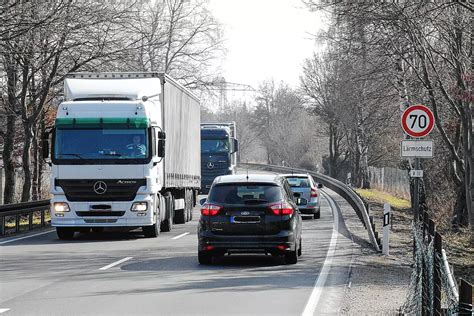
x,y
125,152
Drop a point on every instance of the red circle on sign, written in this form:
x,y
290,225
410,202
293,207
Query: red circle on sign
x,y
425,130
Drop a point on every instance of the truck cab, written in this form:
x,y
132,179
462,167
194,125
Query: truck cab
x,y
219,147
124,153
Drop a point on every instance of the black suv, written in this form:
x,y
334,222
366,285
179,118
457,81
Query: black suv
x,y
254,213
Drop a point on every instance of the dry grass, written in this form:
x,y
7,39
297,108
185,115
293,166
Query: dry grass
x,y
384,197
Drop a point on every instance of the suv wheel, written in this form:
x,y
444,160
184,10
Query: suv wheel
x,y
317,214
300,249
204,257
291,257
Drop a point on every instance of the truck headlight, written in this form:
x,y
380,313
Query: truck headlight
x,y
139,207
60,207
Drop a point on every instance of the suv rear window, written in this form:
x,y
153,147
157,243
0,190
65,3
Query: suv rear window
x,y
245,193
300,182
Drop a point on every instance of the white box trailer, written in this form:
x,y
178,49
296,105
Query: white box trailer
x,y
125,153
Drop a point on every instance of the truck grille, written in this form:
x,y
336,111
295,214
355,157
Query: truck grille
x,y
83,190
218,168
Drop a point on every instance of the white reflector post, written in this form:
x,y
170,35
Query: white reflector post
x,y
386,228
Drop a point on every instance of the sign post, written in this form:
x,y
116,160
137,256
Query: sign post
x,y
417,122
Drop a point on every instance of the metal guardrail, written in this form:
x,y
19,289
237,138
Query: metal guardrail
x,y
339,187
20,209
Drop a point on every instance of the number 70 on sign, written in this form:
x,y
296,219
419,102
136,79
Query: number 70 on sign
x,y
417,121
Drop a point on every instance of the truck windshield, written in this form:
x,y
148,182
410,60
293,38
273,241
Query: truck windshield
x,y
100,144
214,145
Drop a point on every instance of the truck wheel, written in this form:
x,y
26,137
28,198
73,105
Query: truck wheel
x,y
65,233
180,216
152,231
204,257
167,223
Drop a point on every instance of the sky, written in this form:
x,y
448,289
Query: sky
x,y
265,39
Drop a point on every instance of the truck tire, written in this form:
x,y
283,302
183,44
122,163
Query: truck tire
x,y
167,223
152,231
187,205
65,233
180,216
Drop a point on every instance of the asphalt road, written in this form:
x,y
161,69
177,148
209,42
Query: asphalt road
x,y
117,273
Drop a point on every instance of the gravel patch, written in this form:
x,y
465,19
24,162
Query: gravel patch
x,y
378,283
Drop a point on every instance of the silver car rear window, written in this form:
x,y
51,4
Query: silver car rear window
x,y
298,182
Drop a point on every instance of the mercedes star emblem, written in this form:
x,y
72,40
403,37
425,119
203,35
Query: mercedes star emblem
x,y
210,165
100,187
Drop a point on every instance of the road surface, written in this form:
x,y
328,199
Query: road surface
x,y
115,273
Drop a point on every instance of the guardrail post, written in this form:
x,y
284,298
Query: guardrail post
x,y
437,274
30,220
465,298
2,225
17,223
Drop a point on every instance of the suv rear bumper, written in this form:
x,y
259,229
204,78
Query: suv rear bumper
x,y
246,243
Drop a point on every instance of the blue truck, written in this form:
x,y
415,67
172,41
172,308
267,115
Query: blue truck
x,y
219,147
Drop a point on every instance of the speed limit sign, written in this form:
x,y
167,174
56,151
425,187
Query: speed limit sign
x,y
417,121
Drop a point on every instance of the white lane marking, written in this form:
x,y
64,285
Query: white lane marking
x,y
115,263
3,310
179,236
25,237
313,300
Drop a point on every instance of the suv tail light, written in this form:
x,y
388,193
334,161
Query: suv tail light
x,y
281,209
314,193
210,209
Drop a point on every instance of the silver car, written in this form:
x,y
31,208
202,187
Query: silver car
x,y
305,188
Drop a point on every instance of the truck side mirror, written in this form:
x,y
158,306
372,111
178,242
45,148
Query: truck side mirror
x,y
235,145
161,148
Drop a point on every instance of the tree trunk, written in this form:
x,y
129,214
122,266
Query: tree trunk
x,y
36,165
9,161
26,162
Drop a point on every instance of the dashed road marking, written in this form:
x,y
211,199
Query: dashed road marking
x,y
313,300
115,263
25,237
3,310
179,236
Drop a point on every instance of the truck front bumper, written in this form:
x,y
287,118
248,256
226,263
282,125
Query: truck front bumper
x,y
83,214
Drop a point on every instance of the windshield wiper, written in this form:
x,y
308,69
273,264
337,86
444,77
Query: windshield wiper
x,y
74,155
249,201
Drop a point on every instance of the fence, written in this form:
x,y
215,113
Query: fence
x,y
433,290
22,212
390,180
